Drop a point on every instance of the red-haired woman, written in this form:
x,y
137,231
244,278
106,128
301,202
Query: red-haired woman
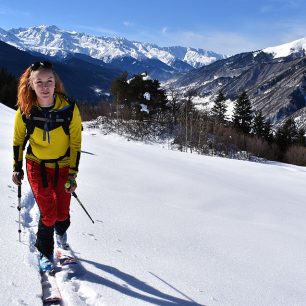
x,y
51,123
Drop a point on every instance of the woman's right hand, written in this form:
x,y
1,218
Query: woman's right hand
x,y
71,183
17,177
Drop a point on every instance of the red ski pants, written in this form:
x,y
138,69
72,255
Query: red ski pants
x,y
53,201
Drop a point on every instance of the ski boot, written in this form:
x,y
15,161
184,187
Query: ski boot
x,y
46,264
61,241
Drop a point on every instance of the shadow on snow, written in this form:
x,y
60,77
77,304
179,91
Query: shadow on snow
x,y
157,297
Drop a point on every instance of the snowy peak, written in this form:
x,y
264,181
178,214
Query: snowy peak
x,y
10,38
50,40
199,57
297,46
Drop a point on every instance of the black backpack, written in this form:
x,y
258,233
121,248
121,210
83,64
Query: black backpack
x,y
48,120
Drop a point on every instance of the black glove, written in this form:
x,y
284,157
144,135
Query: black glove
x,y
18,177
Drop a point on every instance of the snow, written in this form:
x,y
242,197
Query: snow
x,y
98,91
171,228
50,40
206,103
197,59
144,108
287,49
147,96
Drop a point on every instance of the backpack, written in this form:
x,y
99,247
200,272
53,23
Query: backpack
x,y
47,121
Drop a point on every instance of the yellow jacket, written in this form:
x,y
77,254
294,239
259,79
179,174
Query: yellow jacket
x,y
60,146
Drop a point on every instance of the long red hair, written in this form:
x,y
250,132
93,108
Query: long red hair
x,y
26,97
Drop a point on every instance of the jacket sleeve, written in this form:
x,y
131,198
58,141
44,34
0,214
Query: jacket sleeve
x,y
75,131
18,140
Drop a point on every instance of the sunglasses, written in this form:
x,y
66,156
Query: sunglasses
x,y
44,64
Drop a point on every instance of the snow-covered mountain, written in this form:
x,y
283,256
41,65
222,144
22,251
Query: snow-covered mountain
x,y
11,39
274,79
50,40
295,47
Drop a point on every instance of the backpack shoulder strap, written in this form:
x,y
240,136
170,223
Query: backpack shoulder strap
x,y
30,126
66,113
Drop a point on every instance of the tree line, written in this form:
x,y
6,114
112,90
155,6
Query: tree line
x,y
141,109
286,143
144,110
8,88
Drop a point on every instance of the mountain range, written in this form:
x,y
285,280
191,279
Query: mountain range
x,y
88,64
122,53
84,80
274,78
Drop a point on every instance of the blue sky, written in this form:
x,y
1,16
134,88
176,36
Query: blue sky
x,y
224,26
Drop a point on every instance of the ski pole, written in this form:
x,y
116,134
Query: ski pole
x,y
19,209
74,194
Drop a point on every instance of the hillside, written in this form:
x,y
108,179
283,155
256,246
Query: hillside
x,y
170,228
274,79
84,80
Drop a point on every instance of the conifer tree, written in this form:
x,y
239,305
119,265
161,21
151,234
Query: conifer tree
x,y
119,91
8,88
267,133
133,94
301,137
242,116
219,109
258,127
287,135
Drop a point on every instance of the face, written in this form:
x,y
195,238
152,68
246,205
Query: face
x,y
43,83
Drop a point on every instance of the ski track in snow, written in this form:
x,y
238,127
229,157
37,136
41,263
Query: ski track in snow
x,y
170,229
69,279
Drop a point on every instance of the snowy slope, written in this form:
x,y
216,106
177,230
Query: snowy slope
x,y
297,46
170,228
11,39
19,282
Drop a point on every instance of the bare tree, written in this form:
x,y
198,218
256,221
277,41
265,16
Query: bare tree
x,y
175,97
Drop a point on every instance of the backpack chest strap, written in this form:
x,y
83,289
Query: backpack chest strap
x,y
47,121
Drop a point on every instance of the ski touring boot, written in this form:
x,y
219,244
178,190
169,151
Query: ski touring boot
x,y
61,241
46,264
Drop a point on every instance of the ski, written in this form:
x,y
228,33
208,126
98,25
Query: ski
x,y
65,257
50,292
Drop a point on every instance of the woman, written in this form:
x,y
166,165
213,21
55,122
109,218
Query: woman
x,y
52,125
